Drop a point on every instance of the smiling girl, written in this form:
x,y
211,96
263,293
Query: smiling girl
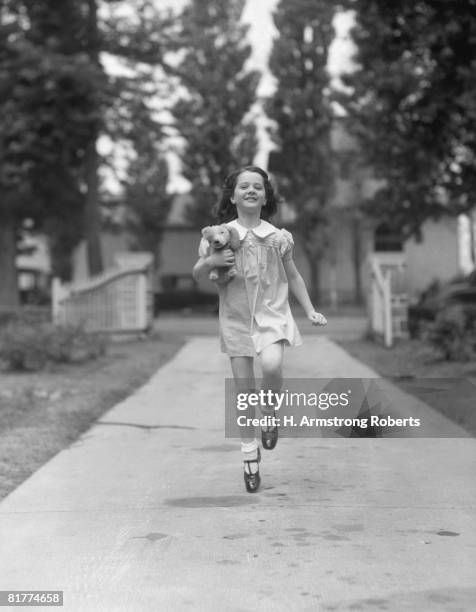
x,y
254,313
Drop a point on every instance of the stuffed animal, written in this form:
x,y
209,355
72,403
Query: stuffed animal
x,y
220,237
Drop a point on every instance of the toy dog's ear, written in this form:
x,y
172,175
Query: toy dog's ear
x,y
206,232
234,238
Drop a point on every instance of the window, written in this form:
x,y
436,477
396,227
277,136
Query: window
x,y
387,239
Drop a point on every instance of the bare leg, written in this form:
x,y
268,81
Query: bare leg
x,y
243,373
272,366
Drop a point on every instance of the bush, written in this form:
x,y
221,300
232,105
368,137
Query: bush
x,y
67,344
31,345
453,333
27,315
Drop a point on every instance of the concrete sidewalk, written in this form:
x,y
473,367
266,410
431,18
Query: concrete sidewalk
x,y
148,511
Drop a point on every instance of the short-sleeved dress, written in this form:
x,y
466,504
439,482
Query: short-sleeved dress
x,y
254,309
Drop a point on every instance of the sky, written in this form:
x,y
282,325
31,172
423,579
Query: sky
x,y
258,14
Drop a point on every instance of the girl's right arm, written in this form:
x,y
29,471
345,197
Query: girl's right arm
x,y
201,269
203,266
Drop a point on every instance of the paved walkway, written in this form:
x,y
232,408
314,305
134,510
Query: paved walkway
x,y
147,511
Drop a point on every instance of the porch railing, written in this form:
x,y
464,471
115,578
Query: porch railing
x,y
119,300
388,307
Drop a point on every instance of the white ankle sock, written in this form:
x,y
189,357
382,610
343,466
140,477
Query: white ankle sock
x,y
249,452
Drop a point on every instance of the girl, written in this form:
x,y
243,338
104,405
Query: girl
x,y
254,313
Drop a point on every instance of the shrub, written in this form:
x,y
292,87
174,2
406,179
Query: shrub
x,y
6,317
28,315
68,344
31,345
22,347
453,333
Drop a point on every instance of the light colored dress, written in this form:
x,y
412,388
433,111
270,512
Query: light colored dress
x,y
254,308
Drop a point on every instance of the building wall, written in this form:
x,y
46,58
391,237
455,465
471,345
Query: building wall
x,y
436,257
110,243
179,252
338,282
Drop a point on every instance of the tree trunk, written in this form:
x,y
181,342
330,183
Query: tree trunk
x,y
9,295
92,212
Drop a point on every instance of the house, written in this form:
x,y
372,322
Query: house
x,y
33,269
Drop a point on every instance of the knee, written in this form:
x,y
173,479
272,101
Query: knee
x,y
272,368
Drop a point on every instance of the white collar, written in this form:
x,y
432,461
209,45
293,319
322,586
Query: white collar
x,y
262,230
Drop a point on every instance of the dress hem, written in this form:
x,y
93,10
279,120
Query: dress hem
x,y
287,344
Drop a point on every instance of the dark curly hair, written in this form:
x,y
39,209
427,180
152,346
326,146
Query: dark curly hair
x,y
225,210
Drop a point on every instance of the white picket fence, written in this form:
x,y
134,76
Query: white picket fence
x,y
388,303
119,300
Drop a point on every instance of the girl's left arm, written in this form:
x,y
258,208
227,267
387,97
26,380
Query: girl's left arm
x,y
299,289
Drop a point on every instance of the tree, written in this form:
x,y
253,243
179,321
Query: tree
x,y
146,198
137,39
47,99
92,216
212,115
53,98
141,41
412,104
302,112
148,202
70,30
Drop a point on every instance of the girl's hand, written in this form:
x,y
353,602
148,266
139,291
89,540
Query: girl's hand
x,y
225,257
317,318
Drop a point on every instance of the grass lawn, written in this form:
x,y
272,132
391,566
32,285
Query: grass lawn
x,y
410,360
43,412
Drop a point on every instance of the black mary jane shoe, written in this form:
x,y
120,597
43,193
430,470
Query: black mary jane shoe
x,y
269,437
252,481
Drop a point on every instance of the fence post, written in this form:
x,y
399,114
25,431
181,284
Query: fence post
x,y
384,320
387,309
58,293
142,301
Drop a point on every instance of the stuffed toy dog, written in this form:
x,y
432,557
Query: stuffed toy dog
x,y
220,237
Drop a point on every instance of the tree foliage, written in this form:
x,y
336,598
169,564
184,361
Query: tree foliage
x,y
212,112
55,101
412,103
48,98
145,190
302,112
142,41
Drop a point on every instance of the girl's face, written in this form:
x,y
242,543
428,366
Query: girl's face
x,y
249,194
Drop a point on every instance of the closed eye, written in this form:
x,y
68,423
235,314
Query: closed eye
x,y
246,186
